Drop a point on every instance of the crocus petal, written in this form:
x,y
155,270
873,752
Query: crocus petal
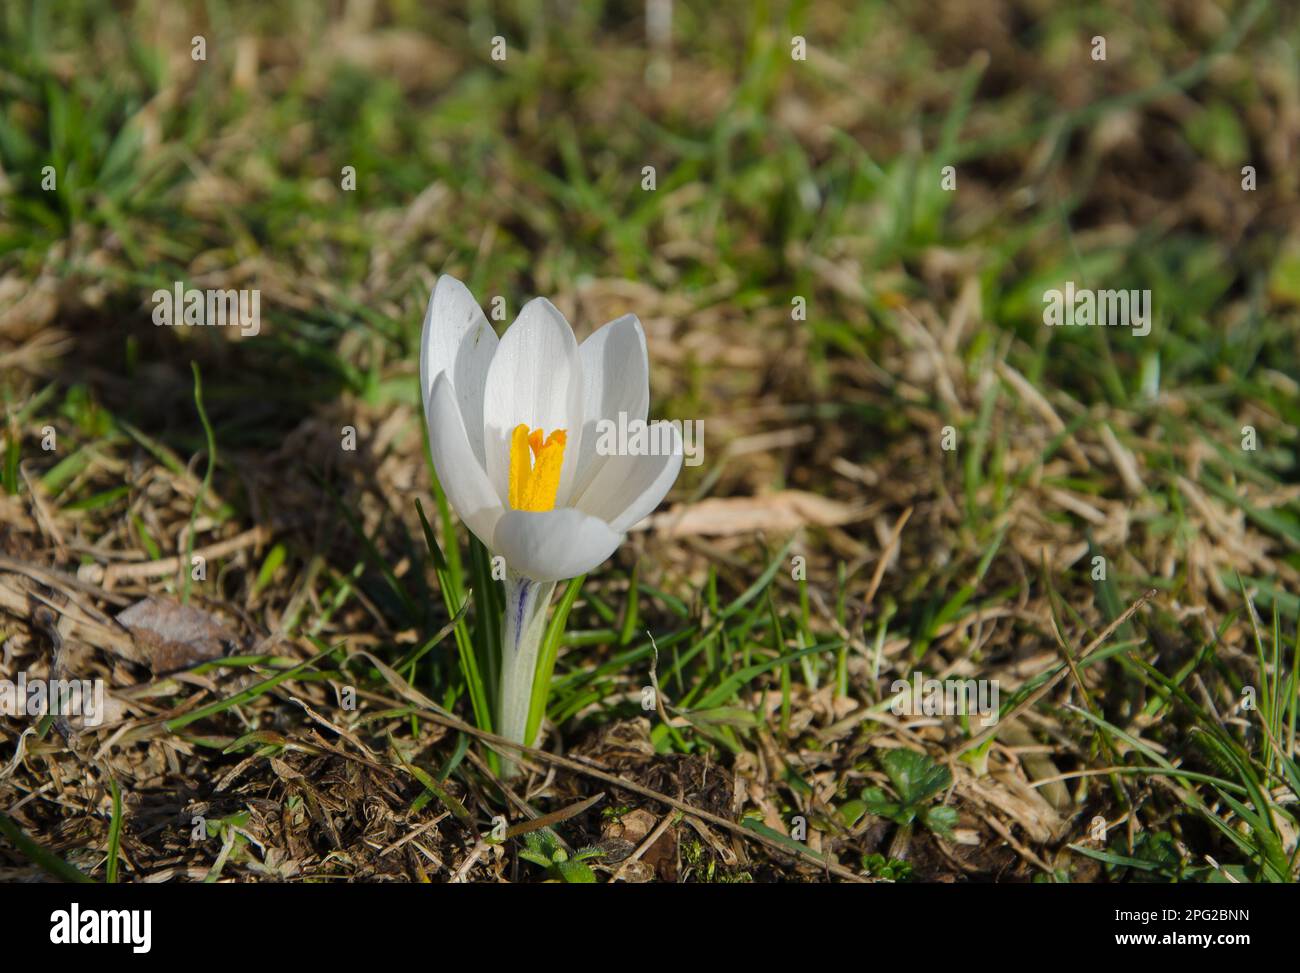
x,y
458,341
616,379
629,487
535,378
463,479
555,544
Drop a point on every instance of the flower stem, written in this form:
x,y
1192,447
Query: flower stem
x,y
526,603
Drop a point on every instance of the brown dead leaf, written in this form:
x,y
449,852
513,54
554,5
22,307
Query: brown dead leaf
x,y
172,636
785,510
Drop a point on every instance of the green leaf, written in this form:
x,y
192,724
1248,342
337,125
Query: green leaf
x,y
879,804
851,812
941,820
575,872
914,775
114,832
47,860
550,649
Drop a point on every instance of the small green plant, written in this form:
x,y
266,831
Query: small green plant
x,y
543,848
231,829
1156,858
615,813
878,866
700,866
916,780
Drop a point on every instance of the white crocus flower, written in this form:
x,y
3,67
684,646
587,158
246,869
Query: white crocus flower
x,y
513,433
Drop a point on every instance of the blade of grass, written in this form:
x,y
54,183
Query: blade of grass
x,y
38,855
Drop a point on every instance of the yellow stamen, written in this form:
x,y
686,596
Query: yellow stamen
x,y
519,465
533,485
